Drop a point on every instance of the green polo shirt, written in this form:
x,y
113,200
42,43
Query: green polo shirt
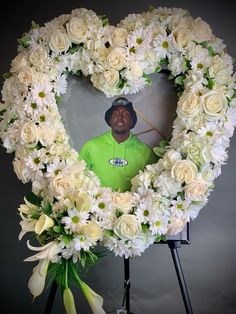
x,y
116,164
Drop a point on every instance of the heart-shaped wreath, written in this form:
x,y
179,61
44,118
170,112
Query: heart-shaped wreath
x,y
68,211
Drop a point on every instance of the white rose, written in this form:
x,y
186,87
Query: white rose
x,y
92,230
188,105
62,185
181,38
176,226
116,58
101,54
201,30
196,190
214,103
127,227
77,30
83,201
111,76
26,75
123,201
184,171
59,41
170,158
119,38
20,61
29,134
21,170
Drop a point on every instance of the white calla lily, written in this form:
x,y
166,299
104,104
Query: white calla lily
x,y
69,302
43,224
37,280
95,300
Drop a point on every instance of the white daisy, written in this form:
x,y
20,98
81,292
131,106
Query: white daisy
x,y
36,159
60,84
163,45
179,208
75,220
42,94
82,242
139,40
56,167
159,225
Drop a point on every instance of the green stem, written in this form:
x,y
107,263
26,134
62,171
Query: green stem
x,y
66,275
76,276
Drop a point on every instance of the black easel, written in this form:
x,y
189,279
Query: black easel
x,y
173,245
51,298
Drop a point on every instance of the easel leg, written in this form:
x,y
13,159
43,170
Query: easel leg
x,y
127,284
173,245
51,298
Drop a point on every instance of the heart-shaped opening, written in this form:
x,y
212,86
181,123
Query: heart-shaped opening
x,y
83,108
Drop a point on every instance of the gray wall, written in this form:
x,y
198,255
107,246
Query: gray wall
x,y
209,262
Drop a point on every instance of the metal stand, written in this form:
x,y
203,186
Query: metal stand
x,y
126,298
174,245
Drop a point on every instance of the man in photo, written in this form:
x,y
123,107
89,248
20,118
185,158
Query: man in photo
x,y
117,155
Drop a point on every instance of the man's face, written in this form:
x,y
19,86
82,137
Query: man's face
x,y
121,120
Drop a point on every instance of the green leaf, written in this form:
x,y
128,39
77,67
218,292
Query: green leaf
x,y
105,22
164,61
159,151
144,228
204,44
24,41
122,82
234,94
163,143
147,79
35,215
47,209
151,8
210,83
58,229
179,80
104,19
160,238
34,25
2,111
119,213
109,233
34,199
187,65
67,238
181,194
157,69
211,51
58,98
74,48
7,75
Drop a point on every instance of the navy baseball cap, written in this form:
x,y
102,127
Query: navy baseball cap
x,y
121,101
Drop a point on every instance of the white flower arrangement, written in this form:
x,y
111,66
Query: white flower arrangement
x,y
69,212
